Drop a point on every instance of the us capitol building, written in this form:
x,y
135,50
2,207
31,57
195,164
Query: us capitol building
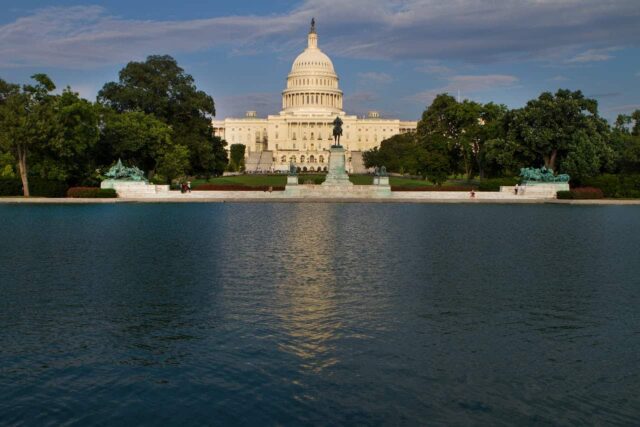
x,y
303,131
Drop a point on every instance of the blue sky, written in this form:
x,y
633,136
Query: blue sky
x,y
392,55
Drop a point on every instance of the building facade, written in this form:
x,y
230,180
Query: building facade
x,y
302,132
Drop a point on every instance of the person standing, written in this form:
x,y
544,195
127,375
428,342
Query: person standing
x,y
189,186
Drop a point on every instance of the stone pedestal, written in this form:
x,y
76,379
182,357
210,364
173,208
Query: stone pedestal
x,y
544,189
337,176
381,180
134,189
292,180
540,190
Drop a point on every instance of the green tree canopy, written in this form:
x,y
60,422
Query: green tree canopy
x,y
400,154
160,87
236,154
562,131
137,138
625,141
27,121
69,154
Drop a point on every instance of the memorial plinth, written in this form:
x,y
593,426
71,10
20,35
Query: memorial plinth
x,y
337,174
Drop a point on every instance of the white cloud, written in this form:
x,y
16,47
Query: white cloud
x,y
374,77
558,78
592,55
468,30
467,85
435,69
624,109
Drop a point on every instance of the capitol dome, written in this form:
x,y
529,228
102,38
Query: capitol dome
x,y
312,84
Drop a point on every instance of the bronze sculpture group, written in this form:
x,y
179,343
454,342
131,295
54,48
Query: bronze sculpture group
x,y
542,174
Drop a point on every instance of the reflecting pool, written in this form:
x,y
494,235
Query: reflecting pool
x,y
263,314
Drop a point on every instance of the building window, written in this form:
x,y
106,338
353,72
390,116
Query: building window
x,y
321,159
283,159
312,159
301,159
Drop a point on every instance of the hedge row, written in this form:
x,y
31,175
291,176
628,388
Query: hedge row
x,y
494,184
236,187
617,186
582,193
38,187
92,193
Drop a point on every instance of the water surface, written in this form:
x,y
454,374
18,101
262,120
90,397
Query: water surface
x,y
266,314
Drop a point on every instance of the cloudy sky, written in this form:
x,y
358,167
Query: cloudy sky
x,y
391,55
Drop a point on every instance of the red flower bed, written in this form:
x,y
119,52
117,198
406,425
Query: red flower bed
x,y
587,193
236,187
432,188
91,193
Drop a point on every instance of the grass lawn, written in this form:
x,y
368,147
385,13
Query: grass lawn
x,y
248,180
281,180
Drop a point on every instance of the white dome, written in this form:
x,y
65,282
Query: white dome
x,y
312,60
312,85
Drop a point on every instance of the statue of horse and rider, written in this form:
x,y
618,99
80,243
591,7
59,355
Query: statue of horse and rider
x,y
542,174
123,173
337,131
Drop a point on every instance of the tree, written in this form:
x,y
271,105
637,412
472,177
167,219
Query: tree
x,y
137,138
489,128
69,154
399,153
160,87
561,130
173,162
440,122
625,142
438,135
236,162
26,121
435,161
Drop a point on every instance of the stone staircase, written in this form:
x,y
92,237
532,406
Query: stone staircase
x,y
259,161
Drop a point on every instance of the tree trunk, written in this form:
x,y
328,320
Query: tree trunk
x,y
22,166
480,166
552,160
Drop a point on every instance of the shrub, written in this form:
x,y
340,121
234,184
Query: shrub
x,y
236,187
91,193
582,193
564,195
42,188
10,187
617,186
587,193
494,184
38,187
311,179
